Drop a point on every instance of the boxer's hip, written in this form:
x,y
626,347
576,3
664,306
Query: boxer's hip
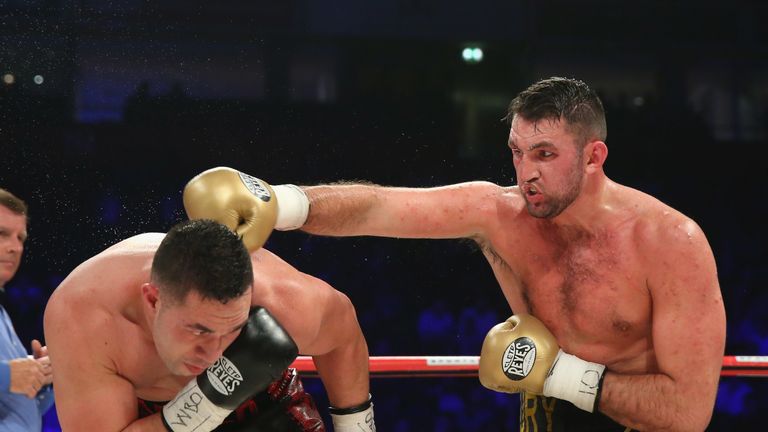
x,y
545,414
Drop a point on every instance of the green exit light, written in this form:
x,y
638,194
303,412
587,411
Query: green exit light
x,y
472,54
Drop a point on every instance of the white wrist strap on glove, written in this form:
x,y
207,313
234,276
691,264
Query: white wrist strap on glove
x,y
192,411
292,207
355,419
575,380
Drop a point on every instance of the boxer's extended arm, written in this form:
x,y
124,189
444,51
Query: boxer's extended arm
x,y
455,211
247,205
688,338
252,207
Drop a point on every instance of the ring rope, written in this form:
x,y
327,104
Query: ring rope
x,y
467,366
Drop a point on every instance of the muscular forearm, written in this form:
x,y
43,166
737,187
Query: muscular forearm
x,y
344,372
109,421
340,209
655,402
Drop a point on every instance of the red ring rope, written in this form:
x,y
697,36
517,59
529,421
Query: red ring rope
x,y
466,366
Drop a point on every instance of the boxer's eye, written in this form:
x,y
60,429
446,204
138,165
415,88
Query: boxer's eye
x,y
198,331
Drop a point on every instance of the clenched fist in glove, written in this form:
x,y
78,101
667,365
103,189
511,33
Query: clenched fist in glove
x,y
247,205
521,354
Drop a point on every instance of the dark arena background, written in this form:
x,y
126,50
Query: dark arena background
x,y
107,108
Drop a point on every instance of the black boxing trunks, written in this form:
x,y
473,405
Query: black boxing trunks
x,y
546,414
283,406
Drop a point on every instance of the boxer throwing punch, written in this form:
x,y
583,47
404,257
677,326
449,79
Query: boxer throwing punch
x,y
620,321
189,332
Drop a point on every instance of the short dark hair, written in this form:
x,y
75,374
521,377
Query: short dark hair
x,y
570,99
12,202
202,256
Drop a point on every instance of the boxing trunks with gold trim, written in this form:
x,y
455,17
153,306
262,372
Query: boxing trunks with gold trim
x,y
546,414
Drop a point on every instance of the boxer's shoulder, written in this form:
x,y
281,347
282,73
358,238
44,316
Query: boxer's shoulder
x,y
77,325
661,234
656,224
87,303
105,284
649,212
506,207
509,202
297,300
140,243
273,276
104,277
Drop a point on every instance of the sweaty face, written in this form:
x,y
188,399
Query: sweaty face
x,y
548,164
191,335
13,234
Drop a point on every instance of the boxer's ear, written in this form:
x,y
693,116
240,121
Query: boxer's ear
x,y
150,296
595,154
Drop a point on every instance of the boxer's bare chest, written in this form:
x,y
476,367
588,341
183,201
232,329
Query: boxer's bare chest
x,y
588,288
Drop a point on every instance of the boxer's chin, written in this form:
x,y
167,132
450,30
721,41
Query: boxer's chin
x,y
177,367
538,206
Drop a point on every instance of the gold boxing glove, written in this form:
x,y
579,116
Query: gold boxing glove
x,y
245,204
521,354
517,355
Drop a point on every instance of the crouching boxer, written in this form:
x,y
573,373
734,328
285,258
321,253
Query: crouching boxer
x,y
252,208
189,331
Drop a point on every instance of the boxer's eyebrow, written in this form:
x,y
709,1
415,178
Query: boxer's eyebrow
x,y
200,327
540,144
240,327
204,329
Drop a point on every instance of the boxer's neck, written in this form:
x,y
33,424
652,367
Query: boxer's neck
x,y
590,210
